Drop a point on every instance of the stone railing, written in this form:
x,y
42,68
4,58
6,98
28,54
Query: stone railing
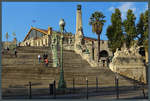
x,y
43,41
85,55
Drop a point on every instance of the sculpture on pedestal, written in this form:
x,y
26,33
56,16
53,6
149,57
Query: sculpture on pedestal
x,y
54,50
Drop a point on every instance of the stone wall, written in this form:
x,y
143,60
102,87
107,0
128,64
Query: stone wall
x,y
129,63
103,46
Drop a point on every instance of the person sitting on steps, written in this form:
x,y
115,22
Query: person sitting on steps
x,y
46,62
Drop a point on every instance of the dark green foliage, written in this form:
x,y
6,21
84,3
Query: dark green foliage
x,y
114,32
97,21
130,29
146,29
140,30
146,25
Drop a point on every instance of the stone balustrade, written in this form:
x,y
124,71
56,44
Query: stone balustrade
x,y
43,41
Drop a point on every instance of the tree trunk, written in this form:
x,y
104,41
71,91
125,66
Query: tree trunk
x,y
98,47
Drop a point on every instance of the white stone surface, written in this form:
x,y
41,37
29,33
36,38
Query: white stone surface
x,y
129,63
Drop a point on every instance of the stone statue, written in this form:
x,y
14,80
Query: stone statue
x,y
54,50
87,51
78,7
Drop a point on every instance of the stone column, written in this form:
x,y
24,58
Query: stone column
x,y
40,42
54,50
47,41
78,18
36,42
44,41
32,42
146,55
79,31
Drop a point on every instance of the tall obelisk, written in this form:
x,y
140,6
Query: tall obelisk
x,y
79,29
78,18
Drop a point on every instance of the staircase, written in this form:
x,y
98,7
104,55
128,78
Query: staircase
x,y
18,71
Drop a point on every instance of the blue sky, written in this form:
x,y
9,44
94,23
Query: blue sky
x,y
18,16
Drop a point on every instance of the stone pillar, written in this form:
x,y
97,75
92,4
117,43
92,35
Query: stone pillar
x,y
36,43
78,18
49,30
40,42
44,41
79,31
32,43
47,41
54,50
146,55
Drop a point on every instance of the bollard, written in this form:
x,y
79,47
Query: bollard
x,y
96,84
54,89
49,90
87,88
117,87
51,87
135,86
30,91
143,90
73,85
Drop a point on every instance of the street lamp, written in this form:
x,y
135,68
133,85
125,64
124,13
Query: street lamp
x,y
62,83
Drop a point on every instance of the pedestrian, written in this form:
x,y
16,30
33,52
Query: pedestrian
x,y
39,58
15,52
44,57
7,48
46,62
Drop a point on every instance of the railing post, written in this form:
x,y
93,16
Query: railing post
x,y
117,86
73,85
96,84
54,89
30,91
87,88
49,89
135,86
143,90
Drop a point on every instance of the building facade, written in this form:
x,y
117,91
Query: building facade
x,y
42,37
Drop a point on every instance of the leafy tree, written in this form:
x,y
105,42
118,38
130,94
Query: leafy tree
x,y
97,22
115,32
130,29
146,29
140,30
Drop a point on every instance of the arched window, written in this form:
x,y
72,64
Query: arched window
x,y
103,53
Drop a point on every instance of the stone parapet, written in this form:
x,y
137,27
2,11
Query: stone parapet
x,y
43,41
130,64
86,57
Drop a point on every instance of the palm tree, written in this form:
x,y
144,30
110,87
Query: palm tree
x,y
97,21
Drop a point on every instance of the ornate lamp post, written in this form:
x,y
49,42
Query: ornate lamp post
x,y
62,83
